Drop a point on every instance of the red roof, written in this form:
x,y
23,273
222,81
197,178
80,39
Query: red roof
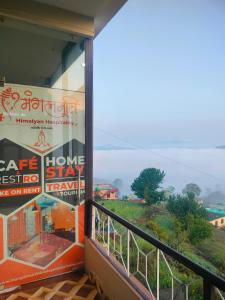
x,y
110,191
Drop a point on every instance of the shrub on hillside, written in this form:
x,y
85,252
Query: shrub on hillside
x,y
192,216
182,206
198,229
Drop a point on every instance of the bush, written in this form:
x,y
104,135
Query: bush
x,y
181,206
160,233
198,229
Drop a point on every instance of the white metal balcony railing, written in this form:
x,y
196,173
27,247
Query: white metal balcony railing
x,y
153,266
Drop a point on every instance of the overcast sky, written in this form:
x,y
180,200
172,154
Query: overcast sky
x,y
159,74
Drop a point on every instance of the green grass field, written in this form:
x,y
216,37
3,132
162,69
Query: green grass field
x,y
133,212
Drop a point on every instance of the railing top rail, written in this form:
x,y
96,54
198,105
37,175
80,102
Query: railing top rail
x,y
196,268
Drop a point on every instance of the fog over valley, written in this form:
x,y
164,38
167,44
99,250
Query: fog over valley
x,y
205,167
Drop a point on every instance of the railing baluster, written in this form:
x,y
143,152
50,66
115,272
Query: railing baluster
x,y
128,253
146,268
218,294
94,223
103,231
108,233
186,291
212,284
157,270
172,293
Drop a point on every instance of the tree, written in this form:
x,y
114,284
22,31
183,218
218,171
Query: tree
x,y
192,188
179,235
198,229
118,183
182,206
192,216
125,198
152,197
146,185
169,191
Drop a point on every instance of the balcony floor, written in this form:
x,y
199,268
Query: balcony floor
x,y
73,286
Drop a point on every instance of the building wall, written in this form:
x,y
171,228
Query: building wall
x,y
219,222
109,277
112,196
109,195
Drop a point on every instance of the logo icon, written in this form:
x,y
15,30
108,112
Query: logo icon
x,y
41,140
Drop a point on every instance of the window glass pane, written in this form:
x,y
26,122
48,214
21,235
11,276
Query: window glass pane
x,y
42,136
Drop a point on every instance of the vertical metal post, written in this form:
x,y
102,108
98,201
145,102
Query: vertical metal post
x,y
103,232
208,290
138,258
88,135
93,235
146,268
186,291
128,252
108,235
157,275
172,287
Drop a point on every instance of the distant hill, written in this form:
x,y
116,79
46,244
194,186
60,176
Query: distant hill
x,y
221,147
214,198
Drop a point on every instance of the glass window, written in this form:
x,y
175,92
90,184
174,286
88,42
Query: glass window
x,y
42,136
